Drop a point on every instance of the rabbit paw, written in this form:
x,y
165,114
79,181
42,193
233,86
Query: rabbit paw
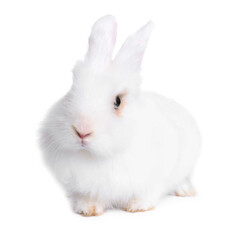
x,y
186,189
88,208
92,210
135,205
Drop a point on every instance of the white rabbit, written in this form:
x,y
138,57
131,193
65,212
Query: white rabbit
x,y
109,143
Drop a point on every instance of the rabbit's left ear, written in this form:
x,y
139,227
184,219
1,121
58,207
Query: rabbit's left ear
x,y
129,57
101,43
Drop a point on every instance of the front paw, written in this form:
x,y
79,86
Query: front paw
x,y
88,208
92,210
185,189
136,205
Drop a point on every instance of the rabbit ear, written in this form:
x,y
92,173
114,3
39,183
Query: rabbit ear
x,y
129,57
101,42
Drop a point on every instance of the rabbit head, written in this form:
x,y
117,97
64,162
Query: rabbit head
x,y
98,113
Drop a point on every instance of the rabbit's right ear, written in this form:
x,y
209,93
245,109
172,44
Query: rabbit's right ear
x,y
101,43
129,57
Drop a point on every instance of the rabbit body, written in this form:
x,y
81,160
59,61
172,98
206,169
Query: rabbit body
x,y
148,150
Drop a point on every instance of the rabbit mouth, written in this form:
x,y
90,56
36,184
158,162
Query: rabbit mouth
x,y
84,144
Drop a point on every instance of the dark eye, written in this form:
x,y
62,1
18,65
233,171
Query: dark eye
x,y
117,102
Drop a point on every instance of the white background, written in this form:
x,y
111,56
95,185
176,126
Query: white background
x,y
196,55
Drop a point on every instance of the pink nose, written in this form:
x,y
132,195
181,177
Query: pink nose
x,y
82,135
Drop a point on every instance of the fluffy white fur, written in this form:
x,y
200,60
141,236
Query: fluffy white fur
x,y
131,159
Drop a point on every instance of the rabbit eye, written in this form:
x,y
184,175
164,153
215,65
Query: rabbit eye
x,y
117,102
